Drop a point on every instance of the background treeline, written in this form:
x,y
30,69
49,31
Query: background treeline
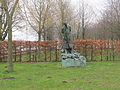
x,y
45,18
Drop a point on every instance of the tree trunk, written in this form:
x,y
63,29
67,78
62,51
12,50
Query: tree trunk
x,y
83,27
45,35
0,27
83,33
0,35
83,20
78,32
9,16
10,64
39,36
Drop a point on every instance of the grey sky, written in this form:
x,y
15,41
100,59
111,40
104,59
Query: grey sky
x,y
94,3
97,5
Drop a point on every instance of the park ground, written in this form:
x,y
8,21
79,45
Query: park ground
x,y
51,76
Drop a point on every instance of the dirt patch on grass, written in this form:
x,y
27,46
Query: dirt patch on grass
x,y
73,79
29,79
9,78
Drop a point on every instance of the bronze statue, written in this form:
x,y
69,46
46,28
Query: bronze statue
x,y
67,42
69,57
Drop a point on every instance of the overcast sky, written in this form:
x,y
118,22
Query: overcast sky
x,y
97,5
94,3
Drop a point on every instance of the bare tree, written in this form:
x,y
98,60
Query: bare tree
x,y
38,16
85,16
110,21
113,15
9,17
3,19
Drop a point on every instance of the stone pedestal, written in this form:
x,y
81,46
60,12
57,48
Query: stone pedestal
x,y
72,60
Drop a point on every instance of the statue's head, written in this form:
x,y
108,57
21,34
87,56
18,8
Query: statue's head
x,y
65,24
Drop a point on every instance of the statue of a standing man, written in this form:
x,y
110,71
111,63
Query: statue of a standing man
x,y
67,42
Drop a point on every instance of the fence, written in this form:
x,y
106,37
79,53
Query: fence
x,y
98,50
49,51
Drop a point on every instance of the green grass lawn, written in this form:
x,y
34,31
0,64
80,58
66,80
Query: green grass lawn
x,y
51,76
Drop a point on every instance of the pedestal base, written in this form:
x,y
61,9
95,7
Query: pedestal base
x,y
73,60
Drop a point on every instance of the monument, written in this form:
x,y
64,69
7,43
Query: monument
x,y
69,57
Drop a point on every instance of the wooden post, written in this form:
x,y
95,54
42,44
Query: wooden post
x,y
36,54
92,51
56,50
45,53
108,50
15,57
20,56
29,51
39,51
101,52
50,53
113,50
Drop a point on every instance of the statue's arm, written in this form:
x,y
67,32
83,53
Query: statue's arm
x,y
62,30
70,28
